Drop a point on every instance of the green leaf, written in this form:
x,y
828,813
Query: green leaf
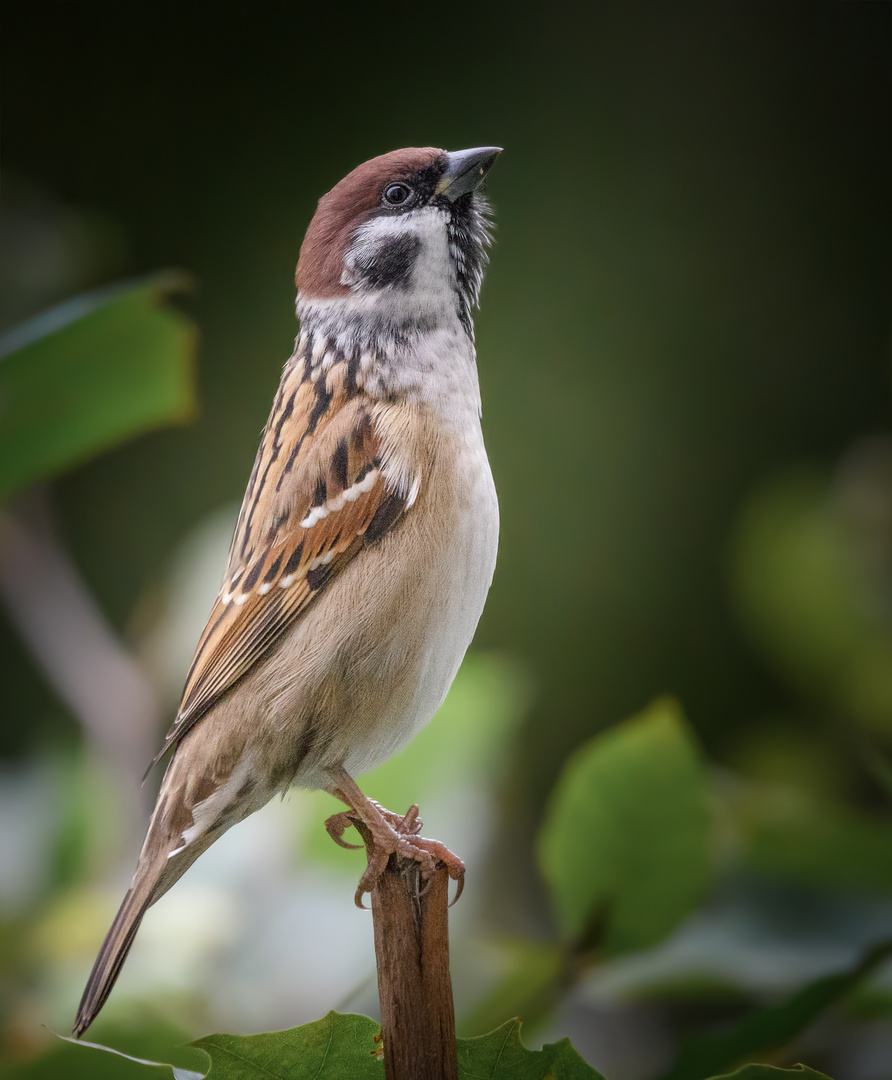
x,y
89,374
771,1072
334,1047
501,1055
340,1046
625,846
344,1046
772,1027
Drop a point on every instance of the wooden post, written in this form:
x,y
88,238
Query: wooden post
x,y
412,951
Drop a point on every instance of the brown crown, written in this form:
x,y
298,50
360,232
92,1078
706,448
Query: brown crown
x,y
343,210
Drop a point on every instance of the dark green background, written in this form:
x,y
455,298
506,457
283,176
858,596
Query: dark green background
x,y
690,293
691,284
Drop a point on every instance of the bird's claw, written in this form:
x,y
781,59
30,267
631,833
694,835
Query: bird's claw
x,y
429,854
337,825
396,834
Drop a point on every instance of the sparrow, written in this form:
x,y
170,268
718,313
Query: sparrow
x,y
366,542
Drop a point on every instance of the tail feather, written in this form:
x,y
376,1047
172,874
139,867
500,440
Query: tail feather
x,y
175,839
113,954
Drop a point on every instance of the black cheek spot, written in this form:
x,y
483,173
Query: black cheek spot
x,y
391,263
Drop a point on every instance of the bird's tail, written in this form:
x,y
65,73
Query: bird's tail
x,y
114,951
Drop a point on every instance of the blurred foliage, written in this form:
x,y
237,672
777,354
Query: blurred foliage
x,y
765,1030
537,974
131,1061
810,597
769,1072
791,834
83,377
684,358
629,822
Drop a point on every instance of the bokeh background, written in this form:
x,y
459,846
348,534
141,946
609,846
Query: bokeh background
x,y
684,352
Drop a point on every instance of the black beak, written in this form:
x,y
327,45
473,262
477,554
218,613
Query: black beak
x,y
465,169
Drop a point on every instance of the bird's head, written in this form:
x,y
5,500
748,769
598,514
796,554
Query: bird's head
x,y
403,236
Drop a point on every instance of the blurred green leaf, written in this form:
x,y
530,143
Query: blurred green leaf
x,y
794,835
536,976
879,766
626,839
772,1027
771,1072
88,374
808,598
178,1073
83,1060
485,705
501,1055
88,824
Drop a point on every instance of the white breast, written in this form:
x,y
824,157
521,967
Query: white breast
x,y
465,577
460,530
372,662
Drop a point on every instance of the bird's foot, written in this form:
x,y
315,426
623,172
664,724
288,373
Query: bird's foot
x,y
389,840
408,824
391,834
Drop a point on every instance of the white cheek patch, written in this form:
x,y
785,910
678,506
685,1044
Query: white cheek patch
x,y
405,256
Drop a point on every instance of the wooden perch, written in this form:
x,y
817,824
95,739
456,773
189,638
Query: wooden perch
x,y
412,952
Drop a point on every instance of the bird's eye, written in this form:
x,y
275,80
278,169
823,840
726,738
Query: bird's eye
x,y
397,194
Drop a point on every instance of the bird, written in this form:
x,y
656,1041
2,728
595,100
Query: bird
x,y
366,542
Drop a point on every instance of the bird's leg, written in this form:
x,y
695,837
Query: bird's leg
x,y
391,833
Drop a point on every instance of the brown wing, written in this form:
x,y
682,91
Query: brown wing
x,y
318,494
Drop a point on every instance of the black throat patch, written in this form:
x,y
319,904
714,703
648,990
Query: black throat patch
x,y
470,234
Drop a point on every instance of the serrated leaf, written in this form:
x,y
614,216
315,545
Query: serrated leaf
x,y
625,842
501,1055
334,1047
771,1027
771,1072
89,374
340,1046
